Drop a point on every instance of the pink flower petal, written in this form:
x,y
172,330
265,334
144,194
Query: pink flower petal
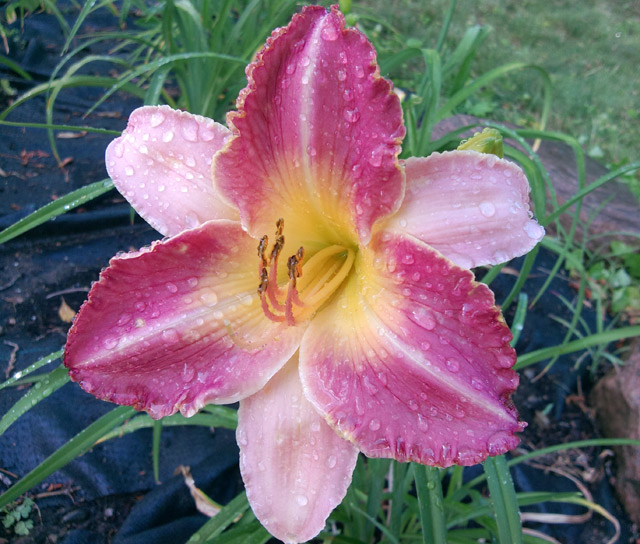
x,y
317,129
162,166
295,467
178,325
419,366
472,207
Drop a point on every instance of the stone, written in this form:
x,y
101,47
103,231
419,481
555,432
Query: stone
x,y
616,399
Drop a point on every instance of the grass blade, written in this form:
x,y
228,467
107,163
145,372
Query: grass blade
x,y
40,391
32,368
432,518
236,507
79,444
603,337
58,207
503,500
155,449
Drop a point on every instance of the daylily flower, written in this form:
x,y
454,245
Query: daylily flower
x,y
358,326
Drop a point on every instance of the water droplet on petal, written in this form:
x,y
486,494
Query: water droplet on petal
x,y
424,318
342,75
374,424
171,336
172,287
332,461
302,500
533,230
351,116
375,159
128,171
167,136
329,33
452,365
487,209
190,131
157,119
110,342
359,71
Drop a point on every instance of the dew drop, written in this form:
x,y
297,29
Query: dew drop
x,y
452,365
351,116
487,209
171,336
342,75
329,33
128,171
190,131
533,230
172,287
359,71
124,318
209,298
375,159
110,342
332,461
192,282
374,424
118,149
157,119
167,136
302,500
423,317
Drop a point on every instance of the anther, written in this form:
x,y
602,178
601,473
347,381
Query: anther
x,y
262,246
264,282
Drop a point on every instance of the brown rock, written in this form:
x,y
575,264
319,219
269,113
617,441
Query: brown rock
x,y
616,398
621,212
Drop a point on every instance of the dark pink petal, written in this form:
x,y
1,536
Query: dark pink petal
x,y
295,467
162,166
472,207
178,325
419,364
317,129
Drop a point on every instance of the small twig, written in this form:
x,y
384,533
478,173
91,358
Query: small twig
x,y
9,473
12,358
67,291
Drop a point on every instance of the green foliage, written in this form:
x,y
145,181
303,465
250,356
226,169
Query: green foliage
x,y
16,516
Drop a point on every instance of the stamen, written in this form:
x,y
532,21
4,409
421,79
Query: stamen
x,y
325,271
262,246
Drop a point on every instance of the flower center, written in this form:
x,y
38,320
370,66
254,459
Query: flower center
x,y
304,294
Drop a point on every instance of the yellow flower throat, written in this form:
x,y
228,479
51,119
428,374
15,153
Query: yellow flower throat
x,y
324,272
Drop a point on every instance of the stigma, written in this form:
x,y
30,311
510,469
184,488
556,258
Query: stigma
x,y
303,295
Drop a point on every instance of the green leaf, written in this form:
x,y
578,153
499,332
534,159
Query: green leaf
x,y
53,209
75,447
503,500
432,518
40,391
236,507
32,368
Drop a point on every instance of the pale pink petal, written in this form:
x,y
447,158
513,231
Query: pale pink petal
x,y
178,325
316,135
419,364
470,206
296,469
162,166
